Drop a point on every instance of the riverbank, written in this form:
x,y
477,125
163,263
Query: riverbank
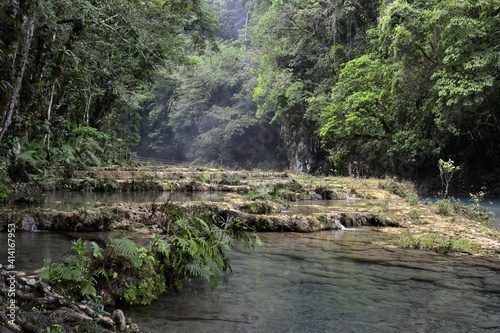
x,y
264,201
31,306
253,201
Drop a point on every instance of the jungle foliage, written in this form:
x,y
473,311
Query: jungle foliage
x,y
428,88
193,245
73,75
361,87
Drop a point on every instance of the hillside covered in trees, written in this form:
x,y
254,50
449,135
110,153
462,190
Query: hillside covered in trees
x,y
351,87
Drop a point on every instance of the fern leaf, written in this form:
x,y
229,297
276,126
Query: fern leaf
x,y
162,246
88,288
258,240
197,269
97,250
70,274
126,247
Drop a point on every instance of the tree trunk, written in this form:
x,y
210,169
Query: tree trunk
x,y
28,25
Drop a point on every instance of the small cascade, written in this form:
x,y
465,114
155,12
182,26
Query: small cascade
x,y
31,226
341,226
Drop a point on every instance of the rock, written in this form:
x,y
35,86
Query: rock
x,y
56,310
119,319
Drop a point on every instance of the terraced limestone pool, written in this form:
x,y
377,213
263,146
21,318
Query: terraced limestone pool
x,y
328,281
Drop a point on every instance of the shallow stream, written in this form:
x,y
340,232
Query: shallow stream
x,y
329,281
335,281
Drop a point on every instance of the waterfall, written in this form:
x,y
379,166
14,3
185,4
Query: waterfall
x,y
341,226
30,225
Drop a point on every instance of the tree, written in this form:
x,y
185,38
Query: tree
x,y
446,171
208,114
439,99
90,63
304,44
358,123
19,24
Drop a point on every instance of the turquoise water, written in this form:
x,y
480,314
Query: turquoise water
x,y
330,281
491,205
335,281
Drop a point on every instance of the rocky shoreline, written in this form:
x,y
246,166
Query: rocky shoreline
x,y
263,202
31,306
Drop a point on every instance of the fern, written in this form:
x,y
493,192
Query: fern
x,y
126,247
193,248
200,269
70,273
97,250
28,156
88,288
161,246
79,246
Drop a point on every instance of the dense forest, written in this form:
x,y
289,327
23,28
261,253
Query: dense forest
x,y
351,87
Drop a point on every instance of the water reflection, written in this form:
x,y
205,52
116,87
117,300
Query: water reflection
x,y
331,281
336,281
33,247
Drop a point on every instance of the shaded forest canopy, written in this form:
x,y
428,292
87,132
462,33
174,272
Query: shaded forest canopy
x,y
352,87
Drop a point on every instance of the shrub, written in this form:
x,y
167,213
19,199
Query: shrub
x,y
122,271
474,212
119,271
444,207
415,214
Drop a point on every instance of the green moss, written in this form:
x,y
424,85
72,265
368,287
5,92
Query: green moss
x,y
402,189
203,178
260,207
437,244
169,185
146,286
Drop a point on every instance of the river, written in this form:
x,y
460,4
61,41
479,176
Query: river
x,y
335,281
329,281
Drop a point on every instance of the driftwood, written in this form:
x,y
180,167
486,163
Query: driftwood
x,y
29,305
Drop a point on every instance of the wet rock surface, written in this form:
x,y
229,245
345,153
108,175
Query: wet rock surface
x,y
29,305
265,201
